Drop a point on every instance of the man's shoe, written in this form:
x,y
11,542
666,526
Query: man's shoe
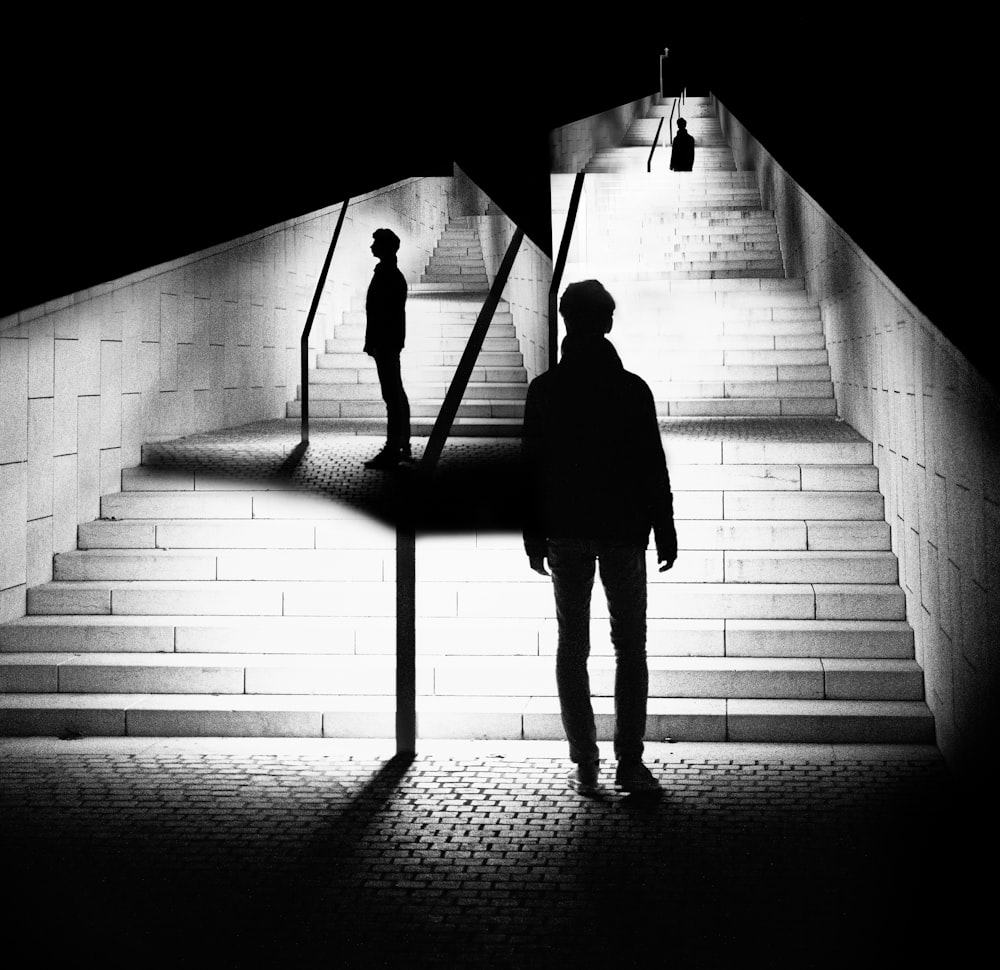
x,y
584,778
634,776
384,459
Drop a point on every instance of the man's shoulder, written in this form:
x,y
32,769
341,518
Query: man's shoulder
x,y
542,381
635,384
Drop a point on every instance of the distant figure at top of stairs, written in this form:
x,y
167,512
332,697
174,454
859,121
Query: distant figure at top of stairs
x,y
682,153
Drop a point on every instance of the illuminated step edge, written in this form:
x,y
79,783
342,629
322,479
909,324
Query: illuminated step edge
x,y
168,715
332,565
178,534
503,636
293,674
472,599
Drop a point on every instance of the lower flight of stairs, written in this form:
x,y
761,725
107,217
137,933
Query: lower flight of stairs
x,y
441,310
200,606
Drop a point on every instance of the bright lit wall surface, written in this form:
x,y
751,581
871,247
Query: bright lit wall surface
x,y
204,342
571,146
935,425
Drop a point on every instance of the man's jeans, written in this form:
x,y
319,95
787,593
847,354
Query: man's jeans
x,y
396,403
623,574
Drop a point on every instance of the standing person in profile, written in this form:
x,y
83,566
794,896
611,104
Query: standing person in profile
x,y
385,334
597,483
682,153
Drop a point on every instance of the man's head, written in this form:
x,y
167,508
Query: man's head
x,y
587,308
682,124
384,243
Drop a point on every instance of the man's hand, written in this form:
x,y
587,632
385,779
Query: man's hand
x,y
538,564
666,564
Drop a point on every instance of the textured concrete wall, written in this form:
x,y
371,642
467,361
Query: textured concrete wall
x,y
571,146
204,342
935,425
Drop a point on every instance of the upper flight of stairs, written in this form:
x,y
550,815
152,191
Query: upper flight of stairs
x,y
694,262
440,312
712,153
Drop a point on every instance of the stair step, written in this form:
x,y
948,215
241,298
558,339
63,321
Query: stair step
x,y
412,374
167,715
413,361
838,639
830,722
225,564
209,597
774,477
668,599
431,345
785,601
460,330
746,407
843,639
423,412
250,674
168,633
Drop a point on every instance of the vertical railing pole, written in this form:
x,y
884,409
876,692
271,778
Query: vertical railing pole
x,y
557,271
406,629
304,342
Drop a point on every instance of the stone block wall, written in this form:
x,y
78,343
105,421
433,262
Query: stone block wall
x,y
935,426
204,342
571,146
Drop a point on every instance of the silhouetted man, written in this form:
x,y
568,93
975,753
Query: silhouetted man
x,y
385,334
682,153
597,483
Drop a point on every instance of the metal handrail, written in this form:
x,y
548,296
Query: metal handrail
x,y
460,380
656,141
304,343
559,268
678,100
406,671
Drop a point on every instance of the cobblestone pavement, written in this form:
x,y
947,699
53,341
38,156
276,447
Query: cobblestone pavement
x,y
284,853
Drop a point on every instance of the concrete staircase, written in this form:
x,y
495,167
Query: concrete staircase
x,y
440,312
202,604
207,605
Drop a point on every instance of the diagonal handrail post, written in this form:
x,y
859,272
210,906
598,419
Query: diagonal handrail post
x,y
559,268
304,343
656,141
406,618
460,380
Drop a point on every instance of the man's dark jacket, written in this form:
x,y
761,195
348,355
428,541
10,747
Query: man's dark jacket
x,y
682,154
385,307
594,460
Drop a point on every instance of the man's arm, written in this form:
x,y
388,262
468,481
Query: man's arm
x,y
661,498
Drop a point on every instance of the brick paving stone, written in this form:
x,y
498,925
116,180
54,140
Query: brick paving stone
x,y
275,859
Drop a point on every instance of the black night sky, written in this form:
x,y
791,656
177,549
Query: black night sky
x,y
129,143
